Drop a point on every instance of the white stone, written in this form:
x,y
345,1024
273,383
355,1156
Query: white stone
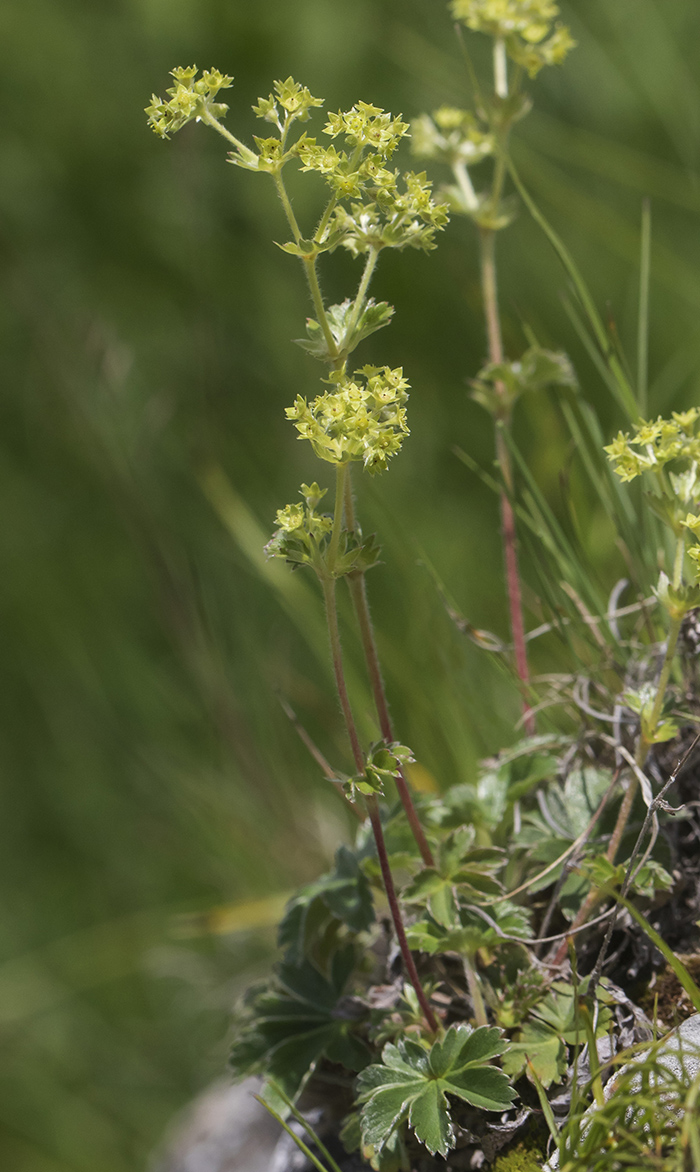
x,y
679,1053
224,1130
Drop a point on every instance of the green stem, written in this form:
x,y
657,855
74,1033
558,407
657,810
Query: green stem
x,y
287,205
500,67
370,265
325,218
221,129
328,585
316,297
358,592
671,643
309,267
341,478
461,174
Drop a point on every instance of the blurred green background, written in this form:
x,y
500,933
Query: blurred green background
x,y
147,767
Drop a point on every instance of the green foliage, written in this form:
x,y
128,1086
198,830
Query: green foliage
x,y
296,1020
554,1023
412,1083
384,762
343,896
499,385
462,871
347,326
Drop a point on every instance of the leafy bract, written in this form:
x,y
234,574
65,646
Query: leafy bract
x,y
412,1083
297,1020
348,323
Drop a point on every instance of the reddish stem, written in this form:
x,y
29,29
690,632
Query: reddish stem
x,y
372,803
510,550
358,593
373,810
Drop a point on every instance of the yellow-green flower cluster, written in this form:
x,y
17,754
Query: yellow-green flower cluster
x,y
364,125
528,28
656,443
295,100
451,136
362,419
190,98
395,218
301,532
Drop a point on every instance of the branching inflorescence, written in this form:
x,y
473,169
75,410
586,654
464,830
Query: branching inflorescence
x,y
533,819
527,33
361,418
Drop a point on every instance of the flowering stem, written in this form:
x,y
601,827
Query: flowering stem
x,y
370,265
500,67
510,552
341,477
309,264
464,182
358,592
328,584
210,120
317,298
412,971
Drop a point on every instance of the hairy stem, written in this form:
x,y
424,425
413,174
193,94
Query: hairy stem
x,y
410,964
328,583
222,130
309,264
358,592
510,550
370,265
317,298
341,479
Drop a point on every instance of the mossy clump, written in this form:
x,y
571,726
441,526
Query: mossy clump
x,y
521,1157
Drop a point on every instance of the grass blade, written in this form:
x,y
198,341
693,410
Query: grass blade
x,y
643,326
620,385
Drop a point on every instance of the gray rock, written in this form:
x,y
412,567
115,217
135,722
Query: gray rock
x,y
224,1130
679,1053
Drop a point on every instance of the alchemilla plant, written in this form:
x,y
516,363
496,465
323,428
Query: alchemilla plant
x,y
457,981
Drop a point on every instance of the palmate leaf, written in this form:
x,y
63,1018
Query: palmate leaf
x,y
297,1020
552,1027
412,1084
343,893
462,867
